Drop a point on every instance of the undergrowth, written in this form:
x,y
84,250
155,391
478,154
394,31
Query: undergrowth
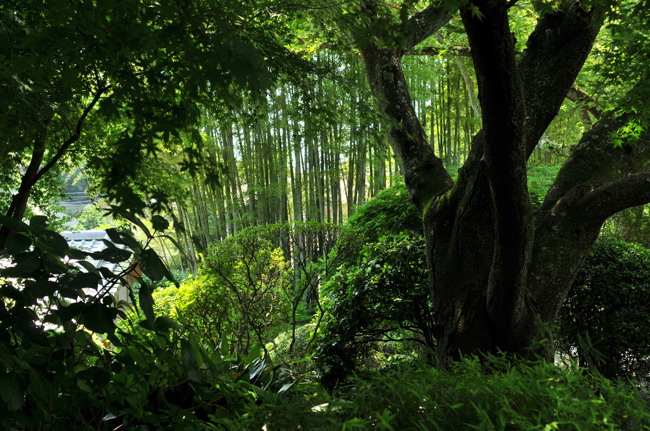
x,y
471,395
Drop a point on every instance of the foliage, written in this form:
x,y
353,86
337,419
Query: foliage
x,y
603,322
511,396
56,374
114,84
293,347
540,178
94,216
240,298
631,225
390,212
382,296
522,396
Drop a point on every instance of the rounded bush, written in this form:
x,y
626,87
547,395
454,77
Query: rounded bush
x,y
390,212
382,296
604,320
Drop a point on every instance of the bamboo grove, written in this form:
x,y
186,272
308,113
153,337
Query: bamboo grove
x,y
316,149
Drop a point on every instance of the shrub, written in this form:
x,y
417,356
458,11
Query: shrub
x,y
630,225
390,212
540,178
381,297
294,349
55,375
604,319
241,297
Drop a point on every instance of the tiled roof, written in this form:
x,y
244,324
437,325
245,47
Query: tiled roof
x,y
91,241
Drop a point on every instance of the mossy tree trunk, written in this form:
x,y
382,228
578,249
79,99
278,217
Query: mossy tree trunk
x,y
498,272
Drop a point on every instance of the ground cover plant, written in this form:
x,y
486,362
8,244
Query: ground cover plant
x,y
469,395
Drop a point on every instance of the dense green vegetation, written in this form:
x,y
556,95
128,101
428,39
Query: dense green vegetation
x,y
399,215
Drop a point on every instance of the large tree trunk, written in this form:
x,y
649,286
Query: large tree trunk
x,y
499,273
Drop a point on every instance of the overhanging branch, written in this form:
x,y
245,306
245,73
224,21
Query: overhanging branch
x,y
424,23
615,196
73,138
596,161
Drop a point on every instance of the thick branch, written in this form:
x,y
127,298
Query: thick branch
x,y
35,171
615,196
424,173
424,23
564,236
597,181
19,201
595,160
555,53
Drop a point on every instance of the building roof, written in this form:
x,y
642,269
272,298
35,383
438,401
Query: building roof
x,y
91,241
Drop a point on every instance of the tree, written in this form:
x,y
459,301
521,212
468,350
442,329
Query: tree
x,y
112,83
499,271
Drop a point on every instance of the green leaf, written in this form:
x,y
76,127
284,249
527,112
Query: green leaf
x,y
11,391
72,311
81,280
188,354
133,219
146,301
98,318
54,264
258,369
122,238
42,288
76,254
147,324
39,386
153,267
112,254
136,355
253,353
17,242
13,224
287,386
159,223
26,264
111,416
38,223
164,324
54,242
89,267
